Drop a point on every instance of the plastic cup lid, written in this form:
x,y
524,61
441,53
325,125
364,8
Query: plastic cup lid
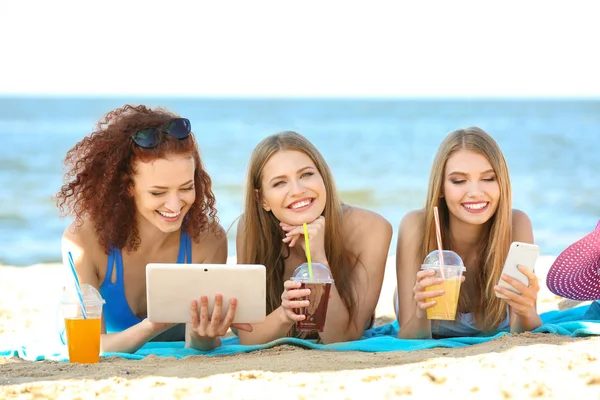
x,y
448,267
450,259
88,292
320,274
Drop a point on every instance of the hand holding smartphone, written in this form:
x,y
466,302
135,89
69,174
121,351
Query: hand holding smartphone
x,y
523,254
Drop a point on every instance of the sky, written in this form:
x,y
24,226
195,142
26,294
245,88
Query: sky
x,y
307,49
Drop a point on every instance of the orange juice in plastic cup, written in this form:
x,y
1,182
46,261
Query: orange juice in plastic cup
x,y
452,271
83,329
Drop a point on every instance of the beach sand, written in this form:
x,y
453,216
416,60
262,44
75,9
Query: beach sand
x,y
511,367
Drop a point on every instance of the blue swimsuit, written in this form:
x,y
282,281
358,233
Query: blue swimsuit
x,y
117,314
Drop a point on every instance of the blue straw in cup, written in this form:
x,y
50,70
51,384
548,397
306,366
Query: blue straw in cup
x,y
77,287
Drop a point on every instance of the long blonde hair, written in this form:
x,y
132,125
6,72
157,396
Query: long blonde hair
x,y
494,243
262,235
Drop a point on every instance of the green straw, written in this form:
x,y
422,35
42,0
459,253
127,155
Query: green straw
x,y
307,250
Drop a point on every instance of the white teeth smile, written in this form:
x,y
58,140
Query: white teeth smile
x,y
299,204
169,215
477,206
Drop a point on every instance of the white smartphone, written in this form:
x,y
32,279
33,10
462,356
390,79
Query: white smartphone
x,y
523,254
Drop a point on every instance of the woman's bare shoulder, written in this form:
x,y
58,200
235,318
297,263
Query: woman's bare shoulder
x,y
412,222
521,227
520,218
90,257
361,219
362,227
82,235
211,246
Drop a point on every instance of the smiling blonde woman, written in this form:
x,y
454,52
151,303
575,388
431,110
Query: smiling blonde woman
x,y
470,185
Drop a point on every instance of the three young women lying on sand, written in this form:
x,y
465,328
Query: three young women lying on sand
x,y
139,194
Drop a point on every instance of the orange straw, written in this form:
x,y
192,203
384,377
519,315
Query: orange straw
x,y
438,234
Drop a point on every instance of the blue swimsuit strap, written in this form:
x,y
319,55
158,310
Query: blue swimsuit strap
x,y
185,249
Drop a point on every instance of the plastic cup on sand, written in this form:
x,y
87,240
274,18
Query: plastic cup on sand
x,y
451,270
320,287
83,331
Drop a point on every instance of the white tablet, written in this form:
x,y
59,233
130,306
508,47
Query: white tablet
x,y
170,289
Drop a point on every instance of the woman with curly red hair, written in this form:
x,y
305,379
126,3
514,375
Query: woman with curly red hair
x,y
139,193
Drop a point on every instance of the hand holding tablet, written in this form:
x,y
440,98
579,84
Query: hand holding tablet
x,y
205,325
174,290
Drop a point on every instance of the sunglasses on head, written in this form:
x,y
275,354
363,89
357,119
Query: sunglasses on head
x,y
150,137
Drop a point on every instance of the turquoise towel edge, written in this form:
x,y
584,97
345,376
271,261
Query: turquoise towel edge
x,y
379,339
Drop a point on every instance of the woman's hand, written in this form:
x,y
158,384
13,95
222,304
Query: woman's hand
x,y
316,235
523,304
290,300
425,279
205,326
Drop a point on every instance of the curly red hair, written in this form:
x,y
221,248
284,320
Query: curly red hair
x,y
99,180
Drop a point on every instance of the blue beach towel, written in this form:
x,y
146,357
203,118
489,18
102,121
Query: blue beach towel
x,y
576,322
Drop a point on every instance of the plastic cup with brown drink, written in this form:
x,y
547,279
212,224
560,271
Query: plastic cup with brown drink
x,y
318,279
450,267
83,322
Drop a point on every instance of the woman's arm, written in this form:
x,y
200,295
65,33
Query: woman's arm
x,y
368,235
523,312
82,244
411,318
131,339
276,325
211,249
